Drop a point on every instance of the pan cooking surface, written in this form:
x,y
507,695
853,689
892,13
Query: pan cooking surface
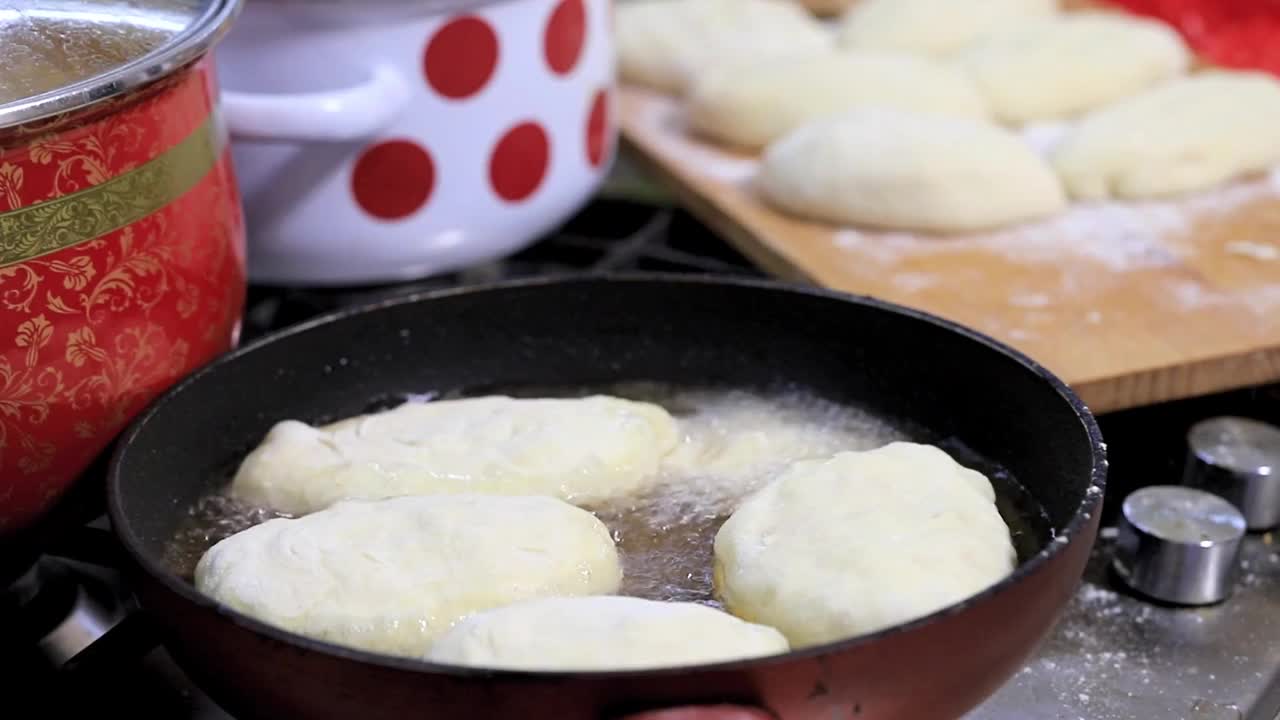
x,y
665,534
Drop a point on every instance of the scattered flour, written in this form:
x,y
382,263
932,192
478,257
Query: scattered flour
x,y
1119,237
1255,250
1031,300
914,282
667,117
1090,247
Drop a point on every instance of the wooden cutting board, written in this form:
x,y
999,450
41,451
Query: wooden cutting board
x,y
1131,304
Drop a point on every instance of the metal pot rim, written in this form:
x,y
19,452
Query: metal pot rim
x,y
190,44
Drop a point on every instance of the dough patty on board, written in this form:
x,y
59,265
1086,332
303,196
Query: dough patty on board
x,y
749,105
932,27
664,44
1191,134
906,171
1059,68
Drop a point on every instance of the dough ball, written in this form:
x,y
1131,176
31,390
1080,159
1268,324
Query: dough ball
x,y
578,449
750,105
602,633
1192,134
663,44
908,171
932,27
1058,68
389,575
858,542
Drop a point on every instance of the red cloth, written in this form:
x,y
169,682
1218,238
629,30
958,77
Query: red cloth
x,y
1242,34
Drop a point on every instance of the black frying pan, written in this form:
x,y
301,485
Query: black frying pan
x,y
957,388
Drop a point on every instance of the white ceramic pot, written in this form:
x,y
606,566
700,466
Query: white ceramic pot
x,y
390,140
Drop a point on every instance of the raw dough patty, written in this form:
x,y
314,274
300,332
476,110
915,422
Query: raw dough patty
x,y
389,575
909,171
932,27
749,105
582,450
1191,134
861,541
1058,68
602,633
664,44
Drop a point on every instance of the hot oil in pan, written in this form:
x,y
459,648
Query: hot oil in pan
x,y
213,518
732,443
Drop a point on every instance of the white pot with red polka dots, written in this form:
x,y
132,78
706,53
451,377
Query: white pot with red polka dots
x,y
383,142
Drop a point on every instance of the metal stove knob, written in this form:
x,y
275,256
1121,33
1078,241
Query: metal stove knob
x,y
1239,460
1178,544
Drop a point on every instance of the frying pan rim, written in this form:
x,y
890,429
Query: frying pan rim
x,y
123,527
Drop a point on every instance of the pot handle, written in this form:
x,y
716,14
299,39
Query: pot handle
x,y
703,712
348,114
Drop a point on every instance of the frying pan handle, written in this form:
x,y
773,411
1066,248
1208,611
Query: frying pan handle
x,y
704,712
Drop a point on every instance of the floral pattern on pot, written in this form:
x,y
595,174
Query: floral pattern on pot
x,y
121,269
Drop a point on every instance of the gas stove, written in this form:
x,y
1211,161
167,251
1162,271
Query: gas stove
x,y
1114,655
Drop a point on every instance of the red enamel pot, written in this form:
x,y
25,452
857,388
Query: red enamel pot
x,y
122,247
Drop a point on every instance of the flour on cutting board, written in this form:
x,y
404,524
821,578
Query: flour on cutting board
x,y
667,117
1120,237
1089,248
1194,296
1092,247
1030,300
1094,244
1265,252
